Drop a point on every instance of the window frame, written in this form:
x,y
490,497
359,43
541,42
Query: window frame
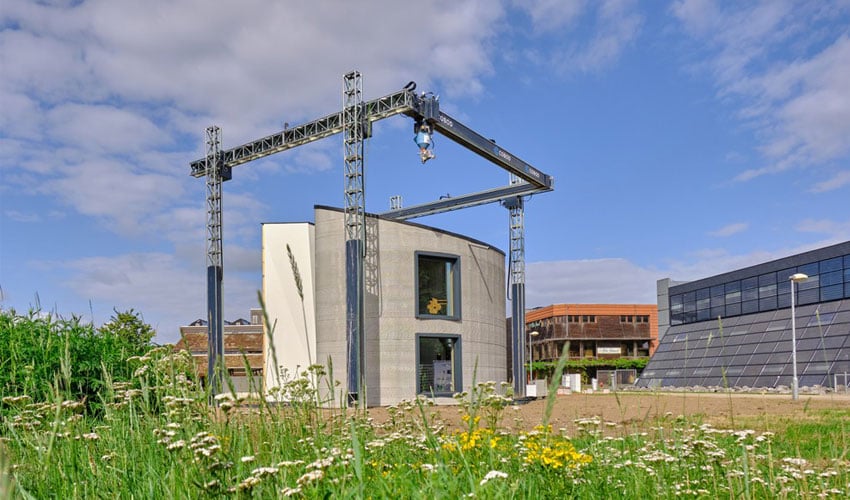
x,y
456,285
457,364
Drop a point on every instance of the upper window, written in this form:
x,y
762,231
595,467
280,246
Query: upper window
x,y
438,286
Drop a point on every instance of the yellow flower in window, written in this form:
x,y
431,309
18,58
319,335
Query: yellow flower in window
x,y
434,306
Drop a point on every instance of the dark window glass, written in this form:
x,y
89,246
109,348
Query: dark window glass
x,y
831,278
717,301
690,306
750,283
812,282
690,317
750,294
750,306
833,292
733,309
703,314
676,319
767,304
767,279
703,293
733,297
733,286
830,265
703,304
783,300
676,302
717,312
717,291
810,269
847,275
438,366
767,291
438,281
847,290
808,296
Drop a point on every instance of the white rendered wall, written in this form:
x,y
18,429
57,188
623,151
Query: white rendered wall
x,y
294,320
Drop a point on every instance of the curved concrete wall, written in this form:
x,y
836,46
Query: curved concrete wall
x,y
391,325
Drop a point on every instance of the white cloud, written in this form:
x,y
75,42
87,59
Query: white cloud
x,y
169,293
798,102
837,181
615,24
836,231
550,15
602,281
730,229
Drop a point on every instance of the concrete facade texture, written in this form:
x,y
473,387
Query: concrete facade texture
x,y
391,324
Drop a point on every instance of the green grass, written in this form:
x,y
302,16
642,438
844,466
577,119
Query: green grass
x,y
156,436
159,439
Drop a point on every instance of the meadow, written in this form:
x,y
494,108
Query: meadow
x,y
155,433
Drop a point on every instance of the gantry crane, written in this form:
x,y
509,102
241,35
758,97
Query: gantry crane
x,y
355,123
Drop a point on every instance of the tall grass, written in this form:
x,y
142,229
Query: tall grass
x,y
157,437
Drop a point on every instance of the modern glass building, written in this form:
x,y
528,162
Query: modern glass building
x,y
734,329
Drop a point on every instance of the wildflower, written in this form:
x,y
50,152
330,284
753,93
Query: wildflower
x,y
247,459
288,492
493,474
91,436
311,476
264,471
176,445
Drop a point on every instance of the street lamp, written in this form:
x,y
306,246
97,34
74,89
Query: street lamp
x,y
531,353
795,386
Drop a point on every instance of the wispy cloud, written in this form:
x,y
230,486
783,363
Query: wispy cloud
x,y
797,103
730,229
837,181
616,24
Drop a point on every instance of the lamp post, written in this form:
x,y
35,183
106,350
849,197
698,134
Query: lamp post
x,y
531,353
795,386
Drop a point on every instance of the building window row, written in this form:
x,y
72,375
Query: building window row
x,y
640,318
828,280
581,318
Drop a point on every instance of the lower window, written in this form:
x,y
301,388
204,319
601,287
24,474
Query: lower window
x,y
438,364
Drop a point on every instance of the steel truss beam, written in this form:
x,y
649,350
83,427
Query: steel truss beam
x,y
464,201
377,109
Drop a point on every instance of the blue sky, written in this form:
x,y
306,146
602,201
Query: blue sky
x,y
686,137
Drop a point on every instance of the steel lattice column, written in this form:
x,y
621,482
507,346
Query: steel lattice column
x,y
355,227
215,322
517,285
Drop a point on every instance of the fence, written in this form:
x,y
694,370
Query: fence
x,y
611,379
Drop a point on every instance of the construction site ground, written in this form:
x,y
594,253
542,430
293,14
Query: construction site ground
x,y
637,411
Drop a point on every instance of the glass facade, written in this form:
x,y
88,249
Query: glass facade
x,y
829,279
734,329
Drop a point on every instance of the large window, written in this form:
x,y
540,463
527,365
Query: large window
x,y
828,280
438,364
438,286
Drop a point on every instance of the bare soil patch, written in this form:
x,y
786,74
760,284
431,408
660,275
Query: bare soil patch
x,y
640,410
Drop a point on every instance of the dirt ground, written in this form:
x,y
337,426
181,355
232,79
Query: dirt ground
x,y
637,410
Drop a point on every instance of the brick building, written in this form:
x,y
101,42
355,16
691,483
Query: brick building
x,y
243,340
594,331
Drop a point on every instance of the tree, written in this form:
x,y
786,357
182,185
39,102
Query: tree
x,y
130,329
